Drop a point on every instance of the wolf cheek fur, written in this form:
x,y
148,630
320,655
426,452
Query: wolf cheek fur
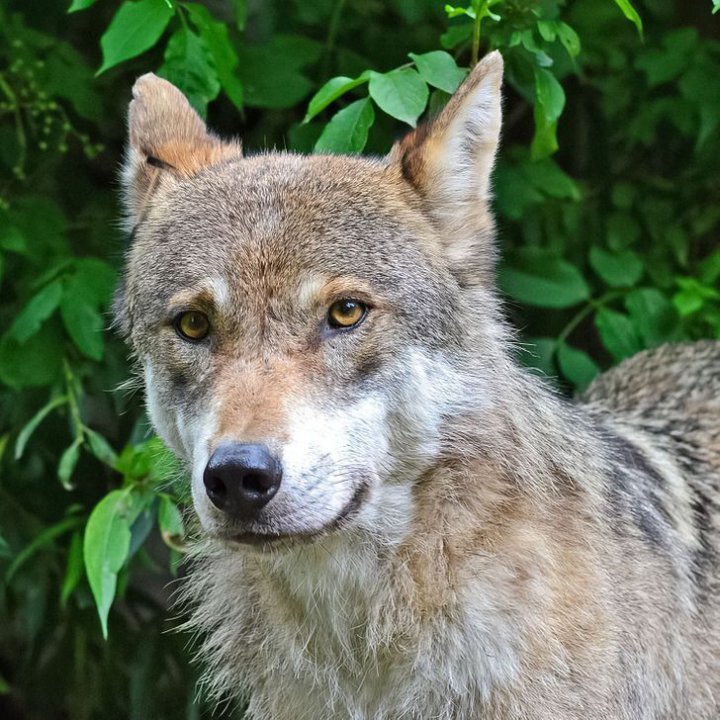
x,y
452,540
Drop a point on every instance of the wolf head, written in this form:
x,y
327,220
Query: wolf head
x,y
309,328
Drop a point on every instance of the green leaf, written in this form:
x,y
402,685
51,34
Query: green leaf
x,y
547,30
148,461
347,131
693,295
549,94
709,268
569,39
4,686
456,35
216,38
577,366
301,137
188,65
101,448
331,91
666,63
544,140
438,100
483,10
34,363
86,291
439,69
514,193
94,279
44,538
402,94
11,238
549,104
617,269
84,324
68,76
698,86
171,524
687,302
135,28
631,14
143,524
105,547
622,230
654,316
537,277
32,425
40,307
80,5
270,73
453,11
676,238
68,461
547,177
74,569
618,333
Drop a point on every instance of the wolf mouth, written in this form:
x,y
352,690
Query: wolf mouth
x,y
270,538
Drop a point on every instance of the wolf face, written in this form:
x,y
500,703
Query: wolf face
x,y
295,317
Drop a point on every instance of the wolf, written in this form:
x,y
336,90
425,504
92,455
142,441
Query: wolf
x,y
398,521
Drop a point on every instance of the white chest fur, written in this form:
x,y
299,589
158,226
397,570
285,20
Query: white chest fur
x,y
330,632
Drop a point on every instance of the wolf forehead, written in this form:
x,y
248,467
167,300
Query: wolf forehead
x,y
278,196
291,212
280,227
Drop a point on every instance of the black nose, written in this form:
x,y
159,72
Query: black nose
x,y
240,479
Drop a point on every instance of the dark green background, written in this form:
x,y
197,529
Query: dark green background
x,y
610,245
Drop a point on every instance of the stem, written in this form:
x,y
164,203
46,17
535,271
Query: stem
x,y
19,127
333,29
180,12
576,320
70,382
480,8
589,308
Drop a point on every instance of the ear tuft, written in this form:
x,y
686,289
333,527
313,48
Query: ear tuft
x,y
167,141
451,156
449,160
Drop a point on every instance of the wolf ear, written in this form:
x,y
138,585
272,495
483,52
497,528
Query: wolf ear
x,y
449,161
167,141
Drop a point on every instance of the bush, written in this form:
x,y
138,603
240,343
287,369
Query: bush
x,y
603,192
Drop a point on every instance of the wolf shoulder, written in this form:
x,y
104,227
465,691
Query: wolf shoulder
x,y
672,391
659,416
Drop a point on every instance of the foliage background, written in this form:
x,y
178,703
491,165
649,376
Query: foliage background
x,y
607,196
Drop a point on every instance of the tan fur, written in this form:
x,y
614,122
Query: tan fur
x,y
254,399
451,540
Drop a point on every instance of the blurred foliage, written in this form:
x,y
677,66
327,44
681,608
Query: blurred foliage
x,y
607,197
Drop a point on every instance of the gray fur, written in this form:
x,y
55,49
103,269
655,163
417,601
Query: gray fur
x,y
515,556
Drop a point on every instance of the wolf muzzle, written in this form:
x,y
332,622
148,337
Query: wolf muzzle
x,y
241,478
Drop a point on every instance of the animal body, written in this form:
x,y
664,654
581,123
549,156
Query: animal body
x,y
399,522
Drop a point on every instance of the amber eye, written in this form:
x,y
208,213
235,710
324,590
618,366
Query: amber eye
x,y
346,313
192,325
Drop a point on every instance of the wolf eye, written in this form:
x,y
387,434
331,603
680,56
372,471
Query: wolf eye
x,y
192,325
346,313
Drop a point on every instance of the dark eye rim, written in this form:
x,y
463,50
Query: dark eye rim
x,y
346,328
186,338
